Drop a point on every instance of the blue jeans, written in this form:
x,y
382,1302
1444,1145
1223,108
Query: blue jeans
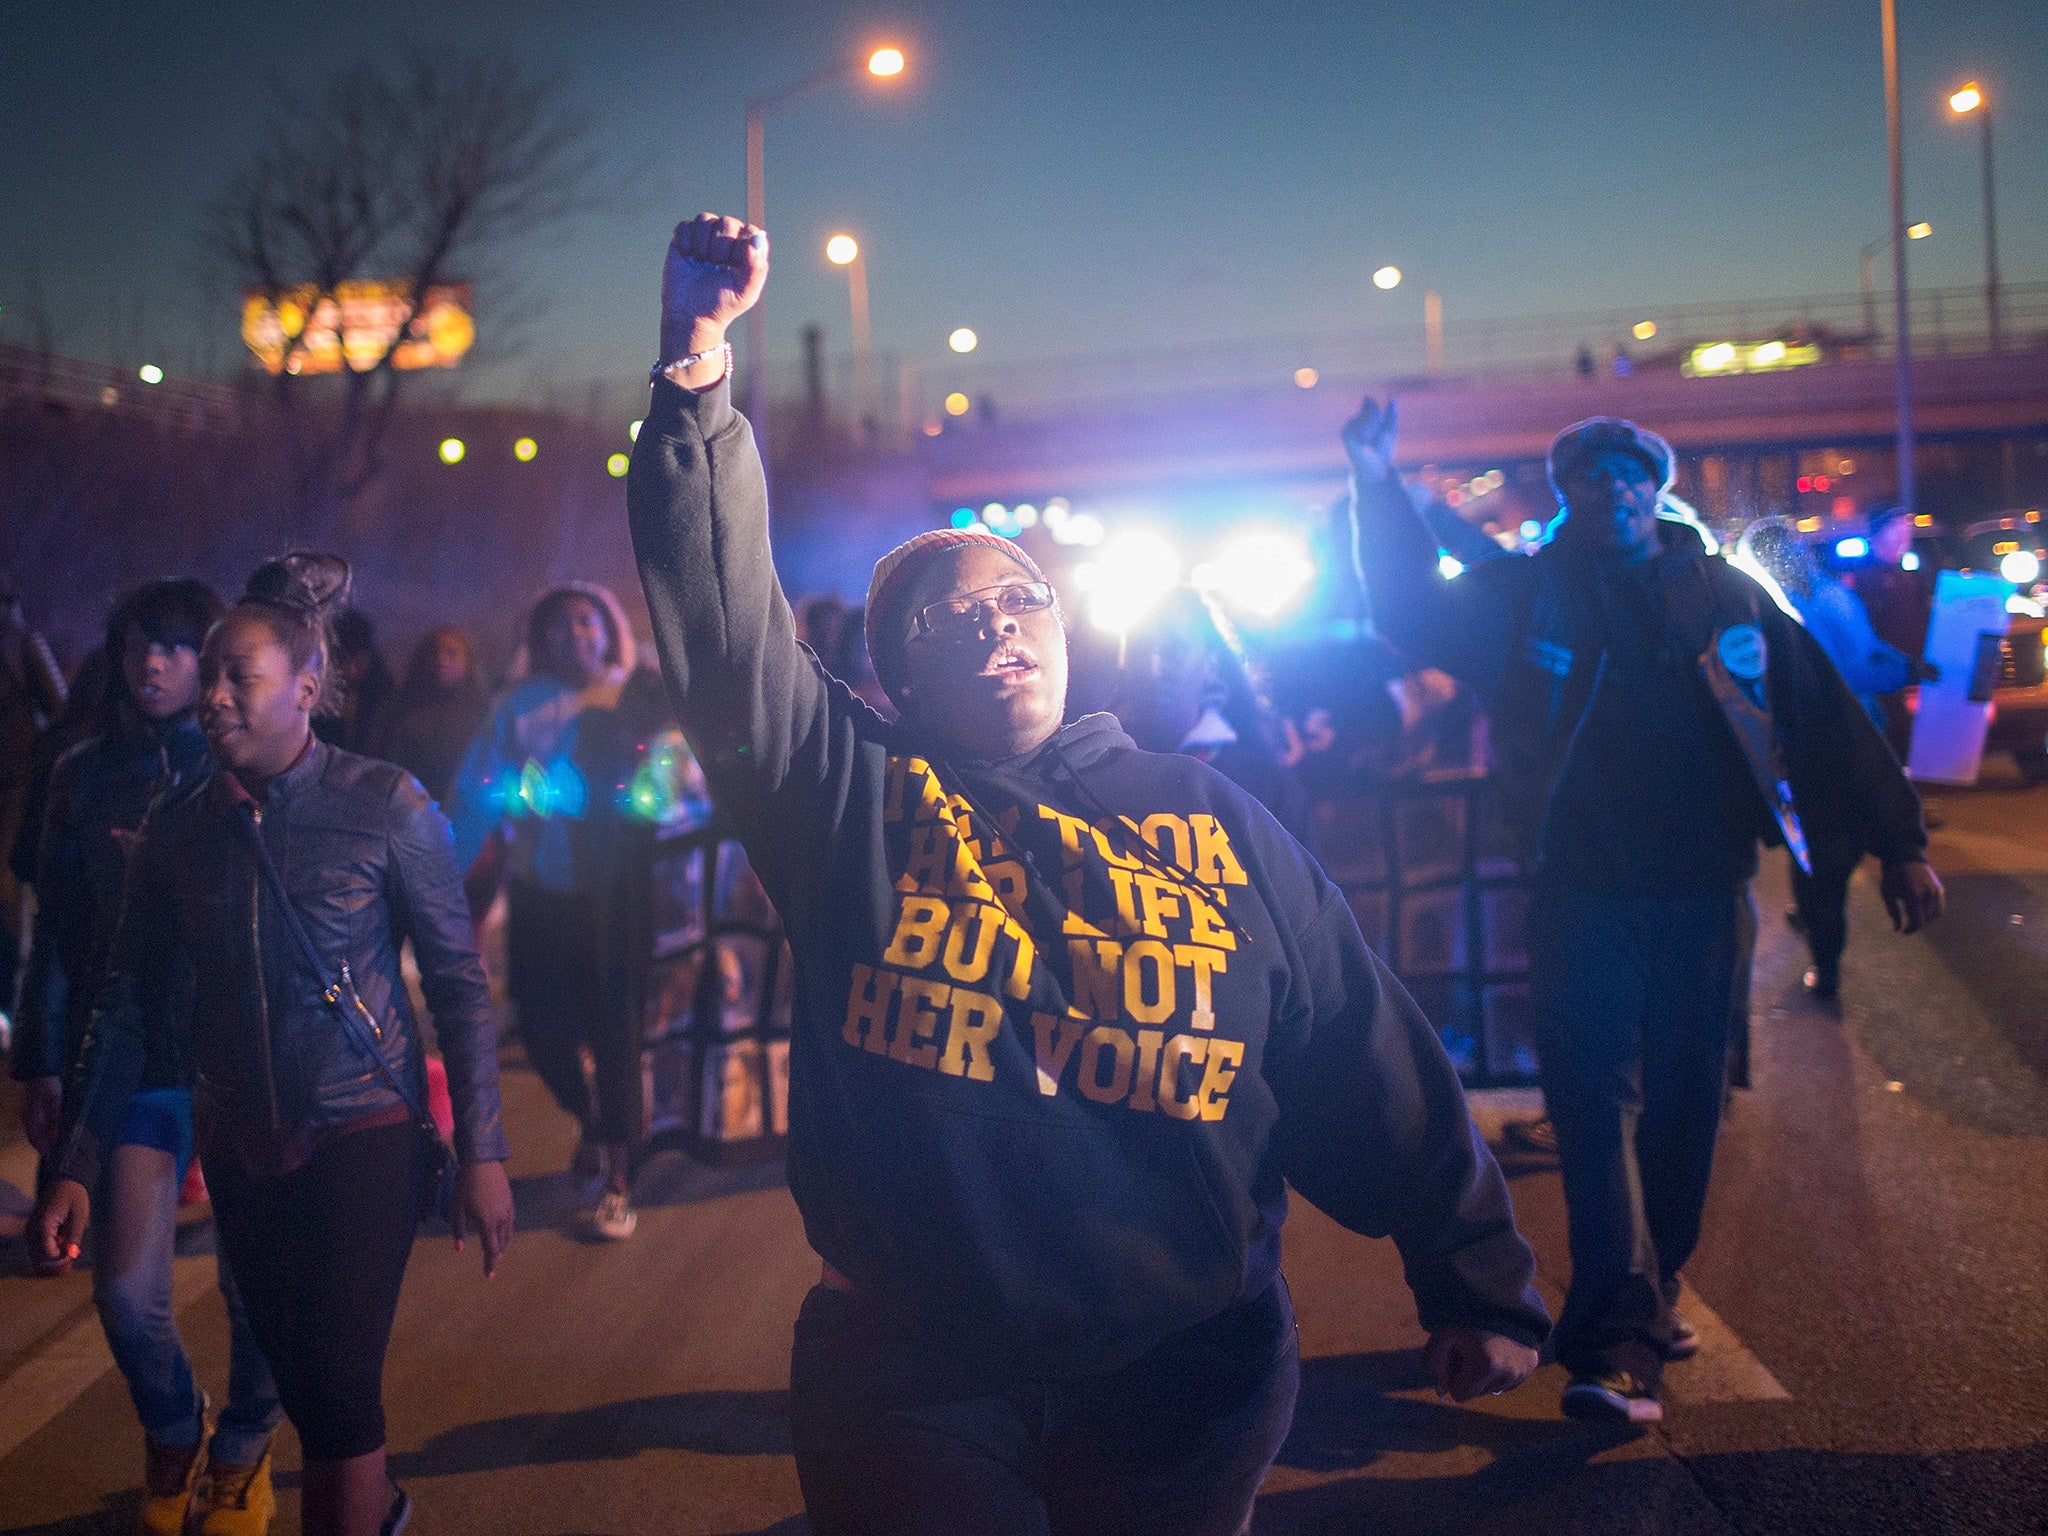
x,y
137,1221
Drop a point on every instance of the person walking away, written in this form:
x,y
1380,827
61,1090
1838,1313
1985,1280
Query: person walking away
x,y
1654,713
1069,1017
94,805
539,772
437,710
279,888
1836,618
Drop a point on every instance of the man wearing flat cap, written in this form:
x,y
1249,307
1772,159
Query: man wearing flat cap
x,y
1655,714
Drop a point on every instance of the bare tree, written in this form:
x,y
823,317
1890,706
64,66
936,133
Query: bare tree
x,y
418,172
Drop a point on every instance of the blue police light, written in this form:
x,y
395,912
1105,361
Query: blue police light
x,y
1853,549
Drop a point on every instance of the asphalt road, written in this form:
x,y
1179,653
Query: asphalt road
x,y
1873,1286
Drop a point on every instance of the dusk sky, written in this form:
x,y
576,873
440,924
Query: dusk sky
x,y
1070,178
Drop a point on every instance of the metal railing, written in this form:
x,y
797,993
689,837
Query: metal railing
x,y
1946,322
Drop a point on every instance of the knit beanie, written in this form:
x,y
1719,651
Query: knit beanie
x,y
889,591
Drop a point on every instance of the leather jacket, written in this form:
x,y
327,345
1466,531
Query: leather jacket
x,y
98,793
368,861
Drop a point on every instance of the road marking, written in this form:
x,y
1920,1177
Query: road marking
x,y
52,1379
1725,1370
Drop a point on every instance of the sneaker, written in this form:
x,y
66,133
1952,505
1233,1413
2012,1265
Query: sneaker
x,y
1617,1397
400,1512
614,1218
1682,1342
238,1501
169,1475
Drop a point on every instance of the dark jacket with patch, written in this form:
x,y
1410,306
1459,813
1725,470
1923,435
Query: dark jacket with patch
x,y
1065,1025
368,861
1619,769
97,796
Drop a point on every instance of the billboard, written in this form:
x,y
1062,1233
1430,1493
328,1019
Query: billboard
x,y
302,330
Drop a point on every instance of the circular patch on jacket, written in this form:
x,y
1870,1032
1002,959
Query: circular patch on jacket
x,y
1742,651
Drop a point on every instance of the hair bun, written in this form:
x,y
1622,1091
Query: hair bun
x,y
311,582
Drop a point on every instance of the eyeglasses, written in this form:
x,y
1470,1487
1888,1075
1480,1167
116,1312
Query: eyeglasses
x,y
954,618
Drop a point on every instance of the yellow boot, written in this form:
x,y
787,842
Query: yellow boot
x,y
169,1475
238,1501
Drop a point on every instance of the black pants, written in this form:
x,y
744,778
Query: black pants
x,y
569,993
896,1438
320,1255
1822,899
1631,1004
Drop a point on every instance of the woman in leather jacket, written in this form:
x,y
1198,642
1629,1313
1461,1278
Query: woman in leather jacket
x,y
94,803
314,1156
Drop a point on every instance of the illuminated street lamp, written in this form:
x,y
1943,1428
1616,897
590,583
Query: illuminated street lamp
x,y
1962,103
963,340
844,251
882,64
1387,279
1866,271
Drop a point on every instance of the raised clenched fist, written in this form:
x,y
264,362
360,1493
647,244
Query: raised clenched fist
x,y
715,270
1369,437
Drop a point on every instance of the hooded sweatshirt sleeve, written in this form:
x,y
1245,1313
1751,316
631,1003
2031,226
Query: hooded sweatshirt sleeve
x,y
758,711
1373,1130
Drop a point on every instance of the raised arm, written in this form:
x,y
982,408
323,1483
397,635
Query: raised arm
x,y
756,708
1458,624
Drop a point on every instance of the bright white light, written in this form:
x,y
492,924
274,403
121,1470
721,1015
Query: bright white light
x,y
1082,528
633,432
1262,572
452,450
1532,529
2022,567
149,373
1714,358
1910,560
1769,352
1026,516
1451,566
1133,572
963,340
1852,549
1387,277
841,249
884,62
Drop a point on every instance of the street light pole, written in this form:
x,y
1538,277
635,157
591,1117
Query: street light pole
x,y
1903,357
844,251
1972,98
882,63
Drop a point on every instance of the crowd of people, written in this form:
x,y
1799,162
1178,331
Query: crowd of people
x,y
1074,1001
